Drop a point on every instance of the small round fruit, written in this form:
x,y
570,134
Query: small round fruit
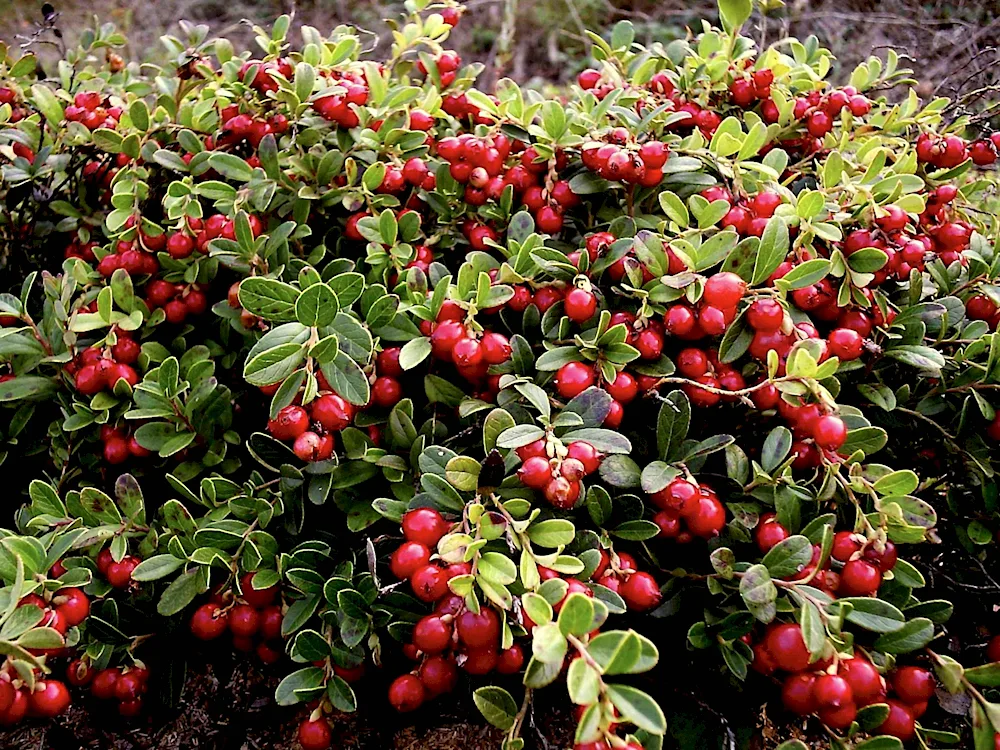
x,y
408,559
479,630
425,526
785,645
432,634
580,305
573,378
913,684
49,699
859,578
406,693
641,592
899,723
207,623
314,735
244,621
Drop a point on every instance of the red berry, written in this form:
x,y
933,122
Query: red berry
x,y
785,645
244,621
586,454
432,634
386,392
640,592
424,525
765,314
859,578
580,305
406,693
845,343
49,699
479,630
829,432
73,604
535,472
845,544
207,623
769,532
331,411
291,422
724,290
429,583
865,681
913,684
408,558
314,735
120,573
832,691
797,694
573,379
899,723
438,675
510,660
103,686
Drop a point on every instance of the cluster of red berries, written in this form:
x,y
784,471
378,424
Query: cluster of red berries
x,y
18,110
836,690
748,217
620,159
311,430
715,310
981,307
448,63
254,620
49,699
747,89
67,608
118,573
450,637
119,445
337,107
818,110
132,258
452,341
82,250
861,564
179,301
687,510
621,574
411,561
96,369
263,80
93,111
239,127
126,686
557,470
951,150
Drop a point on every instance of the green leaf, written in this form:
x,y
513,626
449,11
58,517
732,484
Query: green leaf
x,y
788,557
772,251
620,471
230,166
181,592
303,685
274,365
316,306
156,567
577,615
638,708
496,705
923,358
270,299
914,635
777,446
759,593
672,423
552,533
871,614
347,378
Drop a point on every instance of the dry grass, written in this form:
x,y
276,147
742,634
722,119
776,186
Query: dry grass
x,y
543,39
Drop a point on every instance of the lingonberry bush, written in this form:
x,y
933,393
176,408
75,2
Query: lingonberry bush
x,y
427,381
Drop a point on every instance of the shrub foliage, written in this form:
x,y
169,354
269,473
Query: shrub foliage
x,y
421,378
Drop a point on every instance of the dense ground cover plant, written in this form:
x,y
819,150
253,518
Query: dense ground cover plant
x,y
420,381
